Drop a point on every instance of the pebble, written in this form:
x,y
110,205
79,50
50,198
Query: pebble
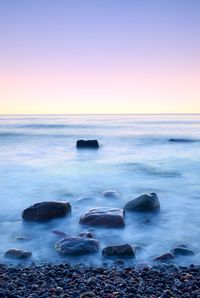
x,y
66,281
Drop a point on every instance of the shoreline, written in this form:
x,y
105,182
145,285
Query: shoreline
x,y
64,280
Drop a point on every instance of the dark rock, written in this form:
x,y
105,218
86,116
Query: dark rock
x,y
77,246
124,250
91,144
182,251
165,257
176,140
46,210
144,203
15,253
108,217
113,194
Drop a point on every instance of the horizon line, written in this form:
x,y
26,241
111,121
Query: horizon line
x,y
92,114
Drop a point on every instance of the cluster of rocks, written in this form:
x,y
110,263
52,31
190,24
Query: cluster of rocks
x,y
85,243
99,217
65,281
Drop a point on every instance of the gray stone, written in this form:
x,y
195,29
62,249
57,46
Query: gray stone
x,y
124,250
15,253
46,210
77,246
144,203
182,251
107,217
164,258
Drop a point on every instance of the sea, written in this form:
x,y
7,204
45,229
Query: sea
x,y
138,154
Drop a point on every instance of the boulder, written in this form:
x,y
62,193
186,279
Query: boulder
x,y
77,246
15,253
46,210
144,203
107,217
113,194
164,258
91,144
124,250
182,251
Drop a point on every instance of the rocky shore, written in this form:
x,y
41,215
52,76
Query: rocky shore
x,y
82,281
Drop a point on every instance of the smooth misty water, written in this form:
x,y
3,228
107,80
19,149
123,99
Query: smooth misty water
x,y
39,161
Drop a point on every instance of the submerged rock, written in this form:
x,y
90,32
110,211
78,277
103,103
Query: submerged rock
x,y
144,203
107,217
77,246
86,234
165,257
16,253
182,251
46,210
111,193
124,250
176,140
91,144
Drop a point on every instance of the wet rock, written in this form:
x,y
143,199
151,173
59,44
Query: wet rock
x,y
77,246
15,253
124,250
182,251
46,210
144,203
165,257
90,144
108,217
111,193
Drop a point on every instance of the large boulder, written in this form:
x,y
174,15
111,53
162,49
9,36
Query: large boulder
x,y
91,144
107,217
46,210
124,250
77,246
112,194
144,203
15,253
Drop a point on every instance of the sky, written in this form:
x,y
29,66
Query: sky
x,y
99,56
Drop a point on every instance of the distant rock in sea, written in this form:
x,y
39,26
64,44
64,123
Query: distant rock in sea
x,y
144,203
84,144
46,210
177,140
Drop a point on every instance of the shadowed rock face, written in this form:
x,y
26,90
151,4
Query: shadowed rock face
x,y
17,254
77,246
107,217
91,144
46,210
143,203
124,250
